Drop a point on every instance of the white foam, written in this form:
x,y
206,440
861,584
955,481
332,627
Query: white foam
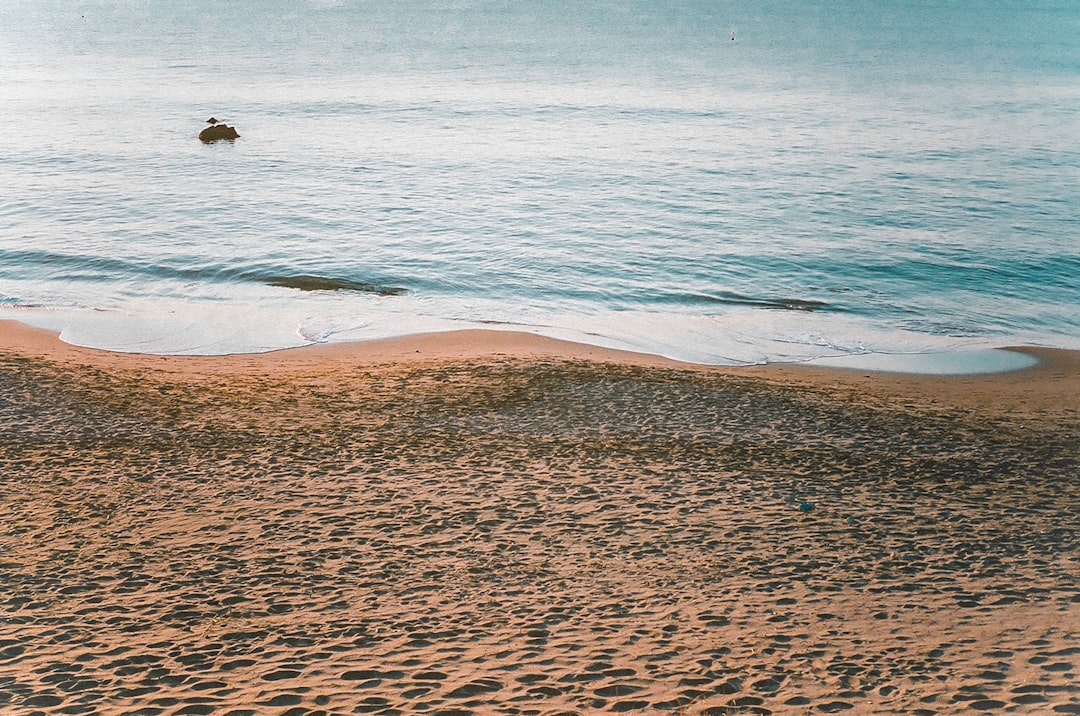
x,y
964,362
277,319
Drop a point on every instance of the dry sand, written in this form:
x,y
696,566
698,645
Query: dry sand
x,y
497,523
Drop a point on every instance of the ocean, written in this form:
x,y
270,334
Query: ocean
x,y
716,182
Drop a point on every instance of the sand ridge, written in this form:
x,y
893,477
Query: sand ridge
x,y
527,534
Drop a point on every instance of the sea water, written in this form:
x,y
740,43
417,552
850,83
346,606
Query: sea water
x,y
712,181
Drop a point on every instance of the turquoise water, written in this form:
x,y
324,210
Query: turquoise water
x,y
838,179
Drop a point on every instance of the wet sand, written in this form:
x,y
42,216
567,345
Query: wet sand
x,y
497,523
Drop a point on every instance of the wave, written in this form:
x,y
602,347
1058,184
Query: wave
x,y
730,298
104,269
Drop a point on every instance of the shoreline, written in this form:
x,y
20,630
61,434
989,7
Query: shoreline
x,y
1051,384
505,524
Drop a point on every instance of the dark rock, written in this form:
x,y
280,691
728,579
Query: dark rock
x,y
217,132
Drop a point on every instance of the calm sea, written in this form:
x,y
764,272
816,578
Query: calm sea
x,y
714,181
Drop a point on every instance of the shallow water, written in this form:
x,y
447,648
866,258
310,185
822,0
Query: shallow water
x,y
828,183
968,362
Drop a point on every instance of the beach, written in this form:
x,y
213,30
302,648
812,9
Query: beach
x,y
488,522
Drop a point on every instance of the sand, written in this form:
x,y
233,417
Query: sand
x,y
497,523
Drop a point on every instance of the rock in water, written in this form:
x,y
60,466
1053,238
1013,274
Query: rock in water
x,y
218,131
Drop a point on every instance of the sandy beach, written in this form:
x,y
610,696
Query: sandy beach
x,y
495,523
